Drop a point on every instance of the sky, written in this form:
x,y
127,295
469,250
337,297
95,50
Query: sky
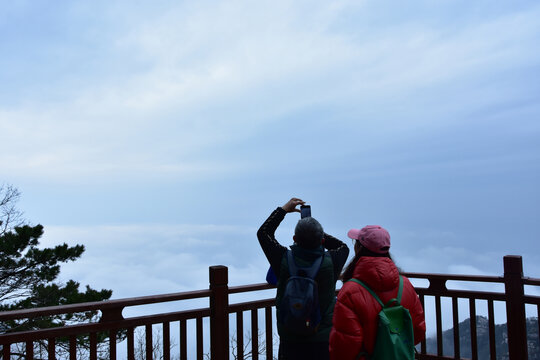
x,y
162,134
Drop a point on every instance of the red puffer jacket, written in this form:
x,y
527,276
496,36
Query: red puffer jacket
x,y
355,314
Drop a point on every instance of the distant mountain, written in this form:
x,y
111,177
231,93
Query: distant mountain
x,y
482,332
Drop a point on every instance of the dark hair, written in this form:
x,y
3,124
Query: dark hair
x,y
308,233
349,269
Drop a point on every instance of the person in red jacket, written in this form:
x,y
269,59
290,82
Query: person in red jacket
x,y
355,314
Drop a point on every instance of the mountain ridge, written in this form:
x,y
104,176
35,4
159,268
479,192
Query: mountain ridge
x,y
482,333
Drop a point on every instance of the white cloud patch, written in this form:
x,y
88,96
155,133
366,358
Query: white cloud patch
x,y
146,260
449,260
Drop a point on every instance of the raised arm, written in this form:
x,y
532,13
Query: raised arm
x,y
339,252
266,234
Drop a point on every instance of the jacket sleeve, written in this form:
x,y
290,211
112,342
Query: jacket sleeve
x,y
339,252
347,335
271,247
417,313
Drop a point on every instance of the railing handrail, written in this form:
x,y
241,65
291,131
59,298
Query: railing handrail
x,y
78,329
177,296
102,305
252,287
457,277
531,281
124,302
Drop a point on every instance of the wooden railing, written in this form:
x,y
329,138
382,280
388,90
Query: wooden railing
x,y
219,313
513,297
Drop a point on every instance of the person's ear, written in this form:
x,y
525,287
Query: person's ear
x,y
294,238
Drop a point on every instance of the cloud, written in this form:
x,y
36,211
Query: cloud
x,y
137,260
195,77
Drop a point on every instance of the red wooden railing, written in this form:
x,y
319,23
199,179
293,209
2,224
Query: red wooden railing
x,y
219,312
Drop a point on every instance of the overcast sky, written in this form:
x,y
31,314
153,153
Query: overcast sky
x,y
162,134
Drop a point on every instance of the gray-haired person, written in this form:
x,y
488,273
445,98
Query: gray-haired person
x,y
310,242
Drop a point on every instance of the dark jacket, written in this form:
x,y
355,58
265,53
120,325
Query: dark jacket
x,y
326,277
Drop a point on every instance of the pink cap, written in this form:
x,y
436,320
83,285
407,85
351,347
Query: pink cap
x,y
373,237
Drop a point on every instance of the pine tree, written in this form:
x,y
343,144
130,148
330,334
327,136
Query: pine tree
x,y
28,274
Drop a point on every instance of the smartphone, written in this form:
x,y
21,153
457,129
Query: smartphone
x,y
305,211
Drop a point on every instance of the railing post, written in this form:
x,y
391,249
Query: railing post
x,y
219,313
515,307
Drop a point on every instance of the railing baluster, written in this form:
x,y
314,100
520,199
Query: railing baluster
x,y
269,335
112,344
51,348
93,346
149,341
472,318
29,350
219,315
254,335
438,318
423,349
72,348
6,351
183,340
491,319
166,341
130,344
455,316
200,353
240,335
515,307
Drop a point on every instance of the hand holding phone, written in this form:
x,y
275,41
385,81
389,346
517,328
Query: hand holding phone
x,y
290,206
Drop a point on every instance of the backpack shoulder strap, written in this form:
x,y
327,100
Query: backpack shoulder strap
x,y
397,299
311,271
293,270
368,289
400,290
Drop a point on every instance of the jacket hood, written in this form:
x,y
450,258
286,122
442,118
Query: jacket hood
x,y
307,254
379,273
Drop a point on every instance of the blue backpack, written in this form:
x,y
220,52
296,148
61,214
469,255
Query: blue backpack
x,y
300,312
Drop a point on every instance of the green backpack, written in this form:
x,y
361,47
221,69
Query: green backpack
x,y
395,336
